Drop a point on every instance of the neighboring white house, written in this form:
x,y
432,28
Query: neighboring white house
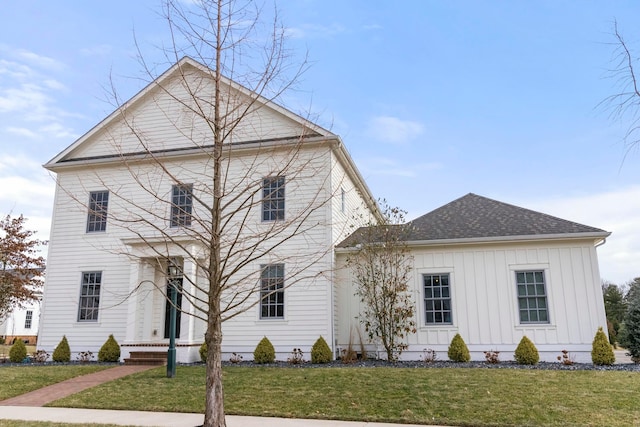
x,y
142,168
494,272
107,269
22,323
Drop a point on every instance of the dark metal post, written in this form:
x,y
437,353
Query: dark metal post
x,y
171,353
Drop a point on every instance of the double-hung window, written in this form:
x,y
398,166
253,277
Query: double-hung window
x,y
273,198
181,205
437,299
532,296
97,215
89,296
28,319
272,291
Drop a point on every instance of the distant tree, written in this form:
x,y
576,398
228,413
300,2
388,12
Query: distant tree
x,y
630,339
381,266
21,268
615,306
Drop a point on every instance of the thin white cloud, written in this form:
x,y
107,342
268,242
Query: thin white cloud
x,y
41,61
28,133
315,31
394,130
616,211
99,50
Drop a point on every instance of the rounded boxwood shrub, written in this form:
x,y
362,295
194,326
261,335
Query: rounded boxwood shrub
x,y
601,350
264,352
526,352
320,352
18,352
458,351
203,352
62,352
110,351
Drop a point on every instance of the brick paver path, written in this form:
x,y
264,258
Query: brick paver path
x,y
71,386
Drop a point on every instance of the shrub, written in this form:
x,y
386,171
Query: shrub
x,y
203,352
297,357
630,334
18,352
601,350
235,358
320,352
492,356
566,358
458,351
110,351
428,355
264,352
62,352
40,356
85,356
526,352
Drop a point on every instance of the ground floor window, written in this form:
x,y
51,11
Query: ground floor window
x,y
89,296
272,291
437,298
532,297
28,319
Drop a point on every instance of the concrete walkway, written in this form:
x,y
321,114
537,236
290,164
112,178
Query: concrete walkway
x,y
29,407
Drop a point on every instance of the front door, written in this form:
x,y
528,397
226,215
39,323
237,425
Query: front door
x,y
167,307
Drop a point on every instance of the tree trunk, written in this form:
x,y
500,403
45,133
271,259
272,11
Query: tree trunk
x,y
214,405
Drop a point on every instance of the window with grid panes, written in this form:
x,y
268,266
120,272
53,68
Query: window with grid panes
x,y
273,198
272,291
532,297
97,215
89,296
181,205
28,319
437,299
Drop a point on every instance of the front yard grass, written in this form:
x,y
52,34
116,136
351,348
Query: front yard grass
x,y
17,380
454,396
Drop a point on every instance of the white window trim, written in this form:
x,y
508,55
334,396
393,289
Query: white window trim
x,y
421,318
513,290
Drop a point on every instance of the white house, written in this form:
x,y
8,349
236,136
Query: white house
x,y
128,199
131,201
494,272
22,323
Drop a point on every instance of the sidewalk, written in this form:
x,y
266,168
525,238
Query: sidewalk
x,y
165,419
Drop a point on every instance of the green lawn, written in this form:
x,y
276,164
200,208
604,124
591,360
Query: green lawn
x,y
17,380
458,396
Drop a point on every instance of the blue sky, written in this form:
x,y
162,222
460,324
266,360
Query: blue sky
x,y
434,99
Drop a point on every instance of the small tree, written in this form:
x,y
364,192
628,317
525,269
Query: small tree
x,y
381,264
62,352
526,353
601,350
21,268
458,350
18,351
110,351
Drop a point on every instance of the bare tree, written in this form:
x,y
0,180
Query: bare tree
x,y
204,133
626,101
381,264
21,268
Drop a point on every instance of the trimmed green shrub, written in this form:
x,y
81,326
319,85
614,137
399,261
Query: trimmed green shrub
x,y
320,352
62,352
601,350
526,352
110,351
458,351
203,352
264,352
18,352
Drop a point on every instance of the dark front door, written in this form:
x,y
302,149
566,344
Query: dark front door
x,y
167,307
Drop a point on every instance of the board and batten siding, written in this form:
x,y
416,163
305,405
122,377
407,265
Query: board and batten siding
x,y
484,298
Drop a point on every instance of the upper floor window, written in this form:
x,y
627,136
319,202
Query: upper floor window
x,y
28,319
532,297
97,216
89,296
437,298
272,291
181,205
273,198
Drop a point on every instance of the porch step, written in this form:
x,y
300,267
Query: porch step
x,y
154,358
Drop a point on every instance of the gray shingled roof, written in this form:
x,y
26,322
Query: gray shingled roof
x,y
476,217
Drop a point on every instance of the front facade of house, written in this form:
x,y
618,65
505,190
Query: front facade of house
x,y
494,272
128,206
131,209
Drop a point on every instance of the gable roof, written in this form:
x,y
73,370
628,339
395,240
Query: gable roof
x,y
475,218
311,129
